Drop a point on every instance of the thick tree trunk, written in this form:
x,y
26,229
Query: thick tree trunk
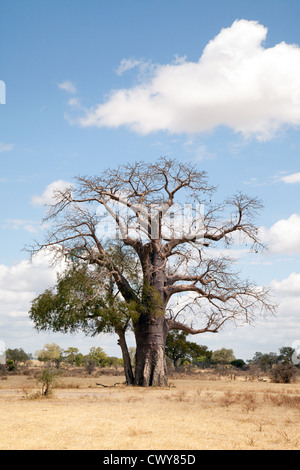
x,y
151,329
126,358
150,369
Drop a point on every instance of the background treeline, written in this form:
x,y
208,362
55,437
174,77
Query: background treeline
x,y
182,356
53,355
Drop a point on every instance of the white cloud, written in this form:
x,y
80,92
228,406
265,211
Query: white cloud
x,y
48,195
291,179
29,225
19,285
28,277
5,147
199,151
289,287
127,64
75,102
283,236
143,67
237,83
68,86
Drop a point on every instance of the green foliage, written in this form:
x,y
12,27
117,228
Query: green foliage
x,y
66,307
73,356
51,353
265,361
286,354
151,301
81,301
10,364
97,357
17,355
239,363
223,356
178,348
47,378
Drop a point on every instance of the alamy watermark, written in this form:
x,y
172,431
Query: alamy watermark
x,y
2,352
2,92
296,354
122,219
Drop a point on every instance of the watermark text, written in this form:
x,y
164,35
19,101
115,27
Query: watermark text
x,y
2,92
2,352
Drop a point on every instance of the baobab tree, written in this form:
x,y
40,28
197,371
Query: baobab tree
x,y
163,213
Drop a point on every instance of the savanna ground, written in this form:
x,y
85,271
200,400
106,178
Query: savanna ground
x,y
194,413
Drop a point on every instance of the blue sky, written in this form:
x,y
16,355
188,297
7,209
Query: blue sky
x,y
92,84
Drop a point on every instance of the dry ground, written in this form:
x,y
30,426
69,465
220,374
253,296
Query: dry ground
x,y
188,415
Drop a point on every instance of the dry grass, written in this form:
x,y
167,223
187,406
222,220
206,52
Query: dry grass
x,y
188,415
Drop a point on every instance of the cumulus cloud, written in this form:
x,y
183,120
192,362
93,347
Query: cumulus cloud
x,y
283,236
291,179
48,195
30,226
5,147
128,64
75,102
289,287
29,277
237,82
68,86
19,285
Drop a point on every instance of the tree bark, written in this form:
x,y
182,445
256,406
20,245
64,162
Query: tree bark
x,y
126,358
151,369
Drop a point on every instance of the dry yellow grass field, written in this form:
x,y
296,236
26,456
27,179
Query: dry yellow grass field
x,y
193,414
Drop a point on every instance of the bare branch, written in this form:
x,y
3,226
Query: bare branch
x,y
175,325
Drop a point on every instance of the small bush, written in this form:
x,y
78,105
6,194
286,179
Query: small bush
x,y
10,364
48,379
283,373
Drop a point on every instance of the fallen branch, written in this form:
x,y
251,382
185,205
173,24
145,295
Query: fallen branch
x,y
110,386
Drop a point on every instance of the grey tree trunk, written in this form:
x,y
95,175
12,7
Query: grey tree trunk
x,y
151,369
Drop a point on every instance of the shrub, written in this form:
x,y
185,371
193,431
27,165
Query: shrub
x,y
10,364
239,363
283,373
47,378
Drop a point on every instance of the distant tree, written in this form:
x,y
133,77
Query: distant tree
x,y
73,356
17,355
178,348
112,361
239,363
265,361
286,354
96,357
51,353
223,356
